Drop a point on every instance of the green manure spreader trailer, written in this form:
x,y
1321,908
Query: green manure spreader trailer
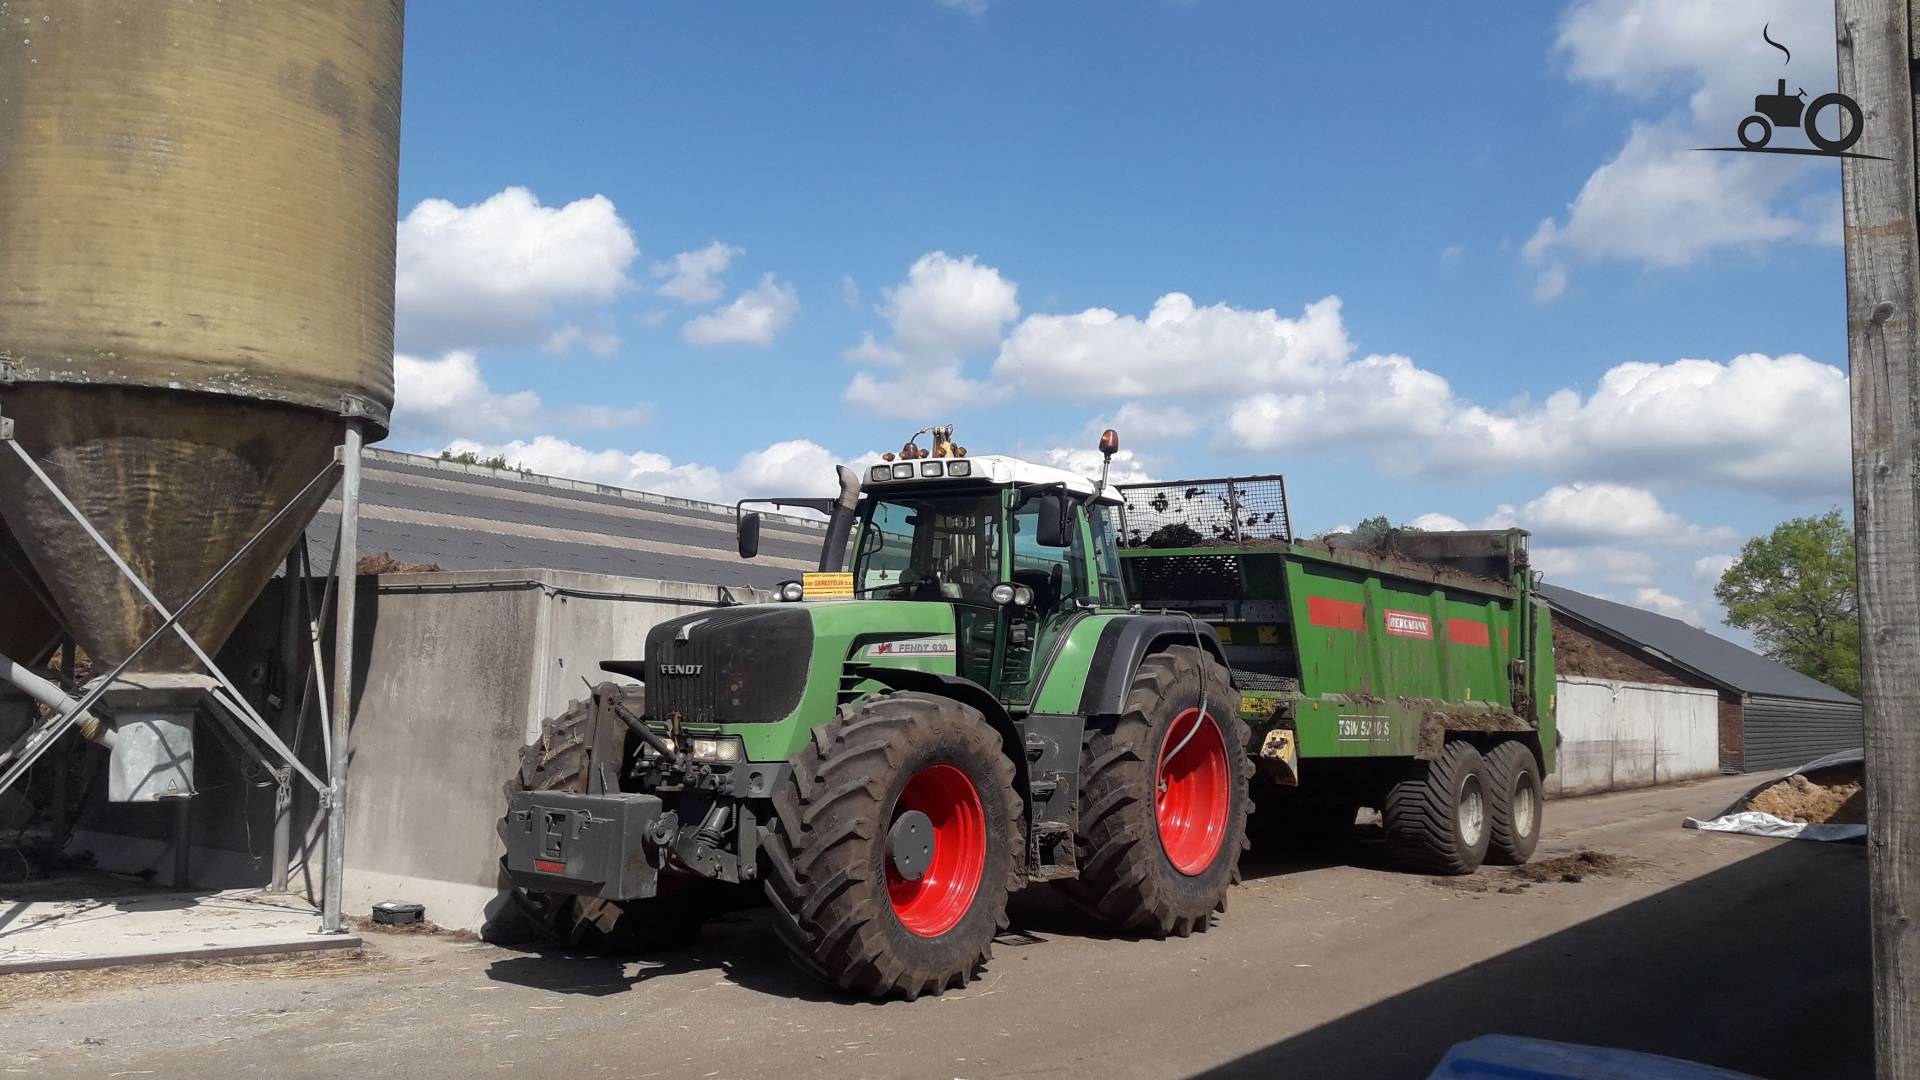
x,y
1004,674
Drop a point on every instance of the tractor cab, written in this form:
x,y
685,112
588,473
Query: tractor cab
x,y
1018,550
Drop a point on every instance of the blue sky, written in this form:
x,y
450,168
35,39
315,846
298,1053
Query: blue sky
x,y
645,244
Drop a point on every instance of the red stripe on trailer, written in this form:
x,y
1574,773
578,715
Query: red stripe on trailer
x,y
1468,632
1504,647
1336,614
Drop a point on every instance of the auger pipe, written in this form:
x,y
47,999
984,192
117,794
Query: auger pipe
x,y
49,693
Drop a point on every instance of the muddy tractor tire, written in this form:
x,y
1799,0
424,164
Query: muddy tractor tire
x,y
561,759
1436,819
895,845
1164,800
1515,801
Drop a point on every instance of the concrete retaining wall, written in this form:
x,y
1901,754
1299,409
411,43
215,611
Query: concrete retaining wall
x,y
1623,735
454,673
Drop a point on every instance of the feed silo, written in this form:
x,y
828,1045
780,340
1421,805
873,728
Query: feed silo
x,y
197,214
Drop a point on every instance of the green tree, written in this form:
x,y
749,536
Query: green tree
x,y
1377,527
1794,590
468,457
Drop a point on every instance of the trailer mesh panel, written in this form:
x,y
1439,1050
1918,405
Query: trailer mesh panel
x,y
1197,513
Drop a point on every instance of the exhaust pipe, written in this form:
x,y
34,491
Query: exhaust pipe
x,y
48,693
833,554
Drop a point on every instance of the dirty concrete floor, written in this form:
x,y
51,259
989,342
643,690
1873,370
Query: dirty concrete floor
x,y
1745,953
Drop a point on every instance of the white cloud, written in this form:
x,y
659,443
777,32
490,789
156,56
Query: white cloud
x,y
1583,514
925,393
1662,603
449,397
1659,201
1606,563
1126,469
1378,400
693,277
1759,423
754,317
1708,569
1146,424
497,272
1433,522
949,307
795,467
597,342
1178,350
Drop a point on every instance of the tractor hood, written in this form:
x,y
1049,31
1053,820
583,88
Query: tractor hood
x,y
761,664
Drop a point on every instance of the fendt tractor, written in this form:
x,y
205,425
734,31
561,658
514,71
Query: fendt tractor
x,y
1030,676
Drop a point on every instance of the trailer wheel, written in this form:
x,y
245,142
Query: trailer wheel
x,y
561,760
1164,800
894,846
1515,803
1437,819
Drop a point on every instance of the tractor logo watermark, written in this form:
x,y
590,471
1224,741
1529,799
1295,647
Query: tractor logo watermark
x,y
1777,110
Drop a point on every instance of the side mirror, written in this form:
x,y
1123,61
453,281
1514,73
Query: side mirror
x,y
747,532
1056,522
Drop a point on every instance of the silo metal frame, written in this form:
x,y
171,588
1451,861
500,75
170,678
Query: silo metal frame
x,y
235,712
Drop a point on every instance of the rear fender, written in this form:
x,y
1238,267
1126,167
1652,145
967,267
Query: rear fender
x,y
1127,640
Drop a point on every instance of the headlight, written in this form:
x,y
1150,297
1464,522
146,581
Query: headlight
x,y
959,468
929,468
721,749
790,591
903,471
880,472
1002,594
1022,595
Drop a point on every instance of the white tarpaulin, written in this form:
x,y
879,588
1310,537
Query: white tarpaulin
x,y
1755,823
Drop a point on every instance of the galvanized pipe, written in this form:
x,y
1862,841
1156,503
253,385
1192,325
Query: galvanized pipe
x,y
49,693
347,571
290,704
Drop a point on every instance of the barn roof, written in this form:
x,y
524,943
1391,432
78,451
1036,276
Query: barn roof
x,y
470,517
1710,656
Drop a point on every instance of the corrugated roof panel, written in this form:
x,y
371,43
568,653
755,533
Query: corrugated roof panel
x,y
1714,657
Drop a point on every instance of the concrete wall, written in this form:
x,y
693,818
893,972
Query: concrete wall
x,y
1618,734
454,672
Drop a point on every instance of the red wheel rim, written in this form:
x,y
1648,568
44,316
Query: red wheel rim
x,y
932,905
1191,792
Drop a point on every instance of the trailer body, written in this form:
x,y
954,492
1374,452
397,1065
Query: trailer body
x,y
1350,647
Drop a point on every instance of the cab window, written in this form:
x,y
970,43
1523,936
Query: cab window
x,y
1056,575
933,547
1106,557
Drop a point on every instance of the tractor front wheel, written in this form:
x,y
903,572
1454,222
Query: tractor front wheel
x,y
895,845
561,759
1163,798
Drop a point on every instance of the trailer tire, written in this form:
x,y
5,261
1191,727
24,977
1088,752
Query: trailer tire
x,y
560,759
1150,863
1436,820
844,910
1515,803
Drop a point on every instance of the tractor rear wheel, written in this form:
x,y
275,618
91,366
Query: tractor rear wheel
x,y
894,846
1436,819
1164,800
1515,801
561,759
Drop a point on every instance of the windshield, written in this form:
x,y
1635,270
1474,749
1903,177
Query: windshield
x,y
930,547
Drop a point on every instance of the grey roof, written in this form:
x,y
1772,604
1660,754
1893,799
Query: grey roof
x,y
1710,656
469,517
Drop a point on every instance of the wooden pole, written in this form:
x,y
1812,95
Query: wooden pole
x,y
1876,49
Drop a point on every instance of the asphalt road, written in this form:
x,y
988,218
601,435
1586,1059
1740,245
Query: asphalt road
x,y
1744,953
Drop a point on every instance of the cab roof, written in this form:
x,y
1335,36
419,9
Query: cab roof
x,y
999,469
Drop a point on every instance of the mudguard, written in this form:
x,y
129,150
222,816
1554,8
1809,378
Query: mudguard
x,y
1129,639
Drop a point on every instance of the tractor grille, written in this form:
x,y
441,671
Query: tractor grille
x,y
736,665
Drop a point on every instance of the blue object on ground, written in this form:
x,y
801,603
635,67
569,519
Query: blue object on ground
x,y
1509,1057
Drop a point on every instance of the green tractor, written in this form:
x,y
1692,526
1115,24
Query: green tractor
x,y
893,748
